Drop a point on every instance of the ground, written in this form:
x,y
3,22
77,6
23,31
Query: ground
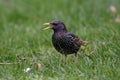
x,y
22,37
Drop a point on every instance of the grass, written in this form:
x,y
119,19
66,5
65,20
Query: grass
x,y
21,35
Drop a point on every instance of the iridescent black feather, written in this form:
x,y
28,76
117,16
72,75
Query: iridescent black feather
x,y
64,43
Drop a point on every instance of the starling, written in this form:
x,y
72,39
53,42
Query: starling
x,y
63,41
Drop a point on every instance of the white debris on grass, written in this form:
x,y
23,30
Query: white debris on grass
x,y
27,70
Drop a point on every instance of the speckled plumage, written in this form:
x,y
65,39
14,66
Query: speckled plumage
x,y
63,43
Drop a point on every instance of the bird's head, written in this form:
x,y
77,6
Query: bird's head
x,y
56,26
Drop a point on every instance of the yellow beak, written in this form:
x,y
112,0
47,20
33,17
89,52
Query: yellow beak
x,y
46,24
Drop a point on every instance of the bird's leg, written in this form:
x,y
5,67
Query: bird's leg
x,y
76,57
64,58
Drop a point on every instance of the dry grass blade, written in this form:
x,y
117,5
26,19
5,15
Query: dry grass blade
x,y
8,63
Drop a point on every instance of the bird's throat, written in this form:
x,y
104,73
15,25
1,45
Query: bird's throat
x,y
59,33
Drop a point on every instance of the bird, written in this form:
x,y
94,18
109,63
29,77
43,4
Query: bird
x,y
64,42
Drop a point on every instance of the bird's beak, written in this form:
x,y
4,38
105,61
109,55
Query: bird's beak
x,y
46,24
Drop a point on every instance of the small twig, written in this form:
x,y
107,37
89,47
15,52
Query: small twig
x,y
8,63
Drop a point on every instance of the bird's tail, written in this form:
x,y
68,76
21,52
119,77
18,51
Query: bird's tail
x,y
80,42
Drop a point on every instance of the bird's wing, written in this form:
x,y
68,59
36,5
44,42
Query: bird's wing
x,y
76,40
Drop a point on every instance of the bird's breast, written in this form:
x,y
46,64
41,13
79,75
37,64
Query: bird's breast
x,y
64,44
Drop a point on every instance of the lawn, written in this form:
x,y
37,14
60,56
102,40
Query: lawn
x,y
22,39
